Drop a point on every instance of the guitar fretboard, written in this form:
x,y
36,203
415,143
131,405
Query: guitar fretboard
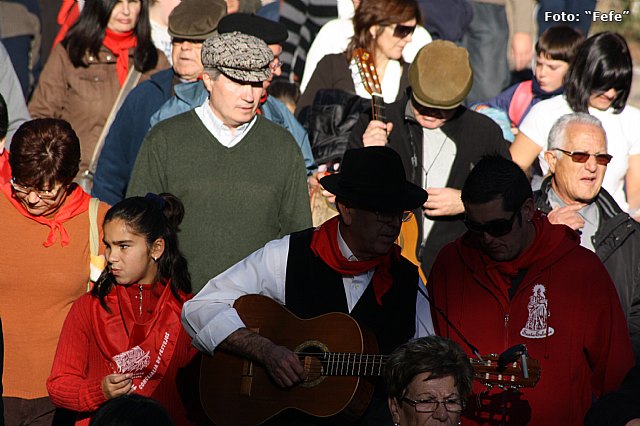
x,y
347,364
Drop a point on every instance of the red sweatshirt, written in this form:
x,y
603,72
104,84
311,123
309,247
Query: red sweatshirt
x,y
565,310
79,367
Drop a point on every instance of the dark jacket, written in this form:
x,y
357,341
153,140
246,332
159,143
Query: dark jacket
x,y
617,244
474,135
126,134
332,72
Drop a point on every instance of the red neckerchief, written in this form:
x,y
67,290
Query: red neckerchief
x,y
5,168
324,244
263,99
76,203
68,15
142,349
119,44
547,238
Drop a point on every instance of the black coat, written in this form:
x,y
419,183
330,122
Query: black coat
x,y
474,135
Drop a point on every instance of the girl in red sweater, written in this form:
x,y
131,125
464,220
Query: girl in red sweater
x,y
125,336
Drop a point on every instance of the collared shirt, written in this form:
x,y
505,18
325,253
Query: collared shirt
x,y
218,129
210,318
589,213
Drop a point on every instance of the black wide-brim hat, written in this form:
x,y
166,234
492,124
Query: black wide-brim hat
x,y
374,179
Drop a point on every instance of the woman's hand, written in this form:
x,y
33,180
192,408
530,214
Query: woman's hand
x,y
376,133
115,385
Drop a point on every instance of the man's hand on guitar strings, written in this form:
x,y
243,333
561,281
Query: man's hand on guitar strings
x,y
283,366
377,133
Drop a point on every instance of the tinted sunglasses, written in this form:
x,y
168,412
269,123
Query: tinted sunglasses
x,y
401,31
495,228
582,157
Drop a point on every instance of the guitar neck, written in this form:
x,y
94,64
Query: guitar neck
x,y
377,108
344,363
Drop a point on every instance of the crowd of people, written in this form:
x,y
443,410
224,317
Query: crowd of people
x,y
454,181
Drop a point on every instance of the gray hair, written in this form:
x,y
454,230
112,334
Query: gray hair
x,y
557,134
213,72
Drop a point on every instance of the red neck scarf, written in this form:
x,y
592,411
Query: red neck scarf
x,y
143,349
263,99
547,238
119,44
68,15
76,203
324,244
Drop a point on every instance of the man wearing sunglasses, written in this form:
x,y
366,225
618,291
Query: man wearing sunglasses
x,y
515,278
573,195
438,139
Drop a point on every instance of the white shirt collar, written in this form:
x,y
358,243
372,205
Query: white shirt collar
x,y
218,129
344,248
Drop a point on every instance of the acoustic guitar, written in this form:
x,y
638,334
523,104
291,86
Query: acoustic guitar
x,y
409,234
340,359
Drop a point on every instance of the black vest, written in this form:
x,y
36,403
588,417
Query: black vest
x,y
313,288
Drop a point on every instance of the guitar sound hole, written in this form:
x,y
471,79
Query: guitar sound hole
x,y
311,354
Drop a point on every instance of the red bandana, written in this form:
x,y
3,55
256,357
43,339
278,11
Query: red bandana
x,y
324,244
76,203
546,240
119,44
143,349
5,167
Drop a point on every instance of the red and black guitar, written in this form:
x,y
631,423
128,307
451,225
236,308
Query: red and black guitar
x,y
339,356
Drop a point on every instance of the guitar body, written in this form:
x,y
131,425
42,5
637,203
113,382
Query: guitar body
x,y
236,391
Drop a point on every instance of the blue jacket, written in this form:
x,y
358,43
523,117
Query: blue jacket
x,y
191,95
126,135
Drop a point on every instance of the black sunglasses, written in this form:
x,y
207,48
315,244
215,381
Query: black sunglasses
x,y
495,228
582,157
401,31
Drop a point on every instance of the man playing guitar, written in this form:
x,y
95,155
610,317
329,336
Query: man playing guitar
x,y
349,264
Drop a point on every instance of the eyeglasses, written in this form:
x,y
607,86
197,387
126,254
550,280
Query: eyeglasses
x,y
44,195
582,157
386,217
438,113
275,64
178,40
401,31
495,228
452,405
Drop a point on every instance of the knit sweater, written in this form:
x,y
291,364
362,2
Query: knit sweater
x,y
38,286
236,199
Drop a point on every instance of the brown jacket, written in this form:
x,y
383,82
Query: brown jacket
x,y
83,96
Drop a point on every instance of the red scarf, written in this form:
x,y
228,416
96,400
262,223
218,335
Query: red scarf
x,y
119,44
143,349
263,99
68,15
75,203
5,168
547,238
324,244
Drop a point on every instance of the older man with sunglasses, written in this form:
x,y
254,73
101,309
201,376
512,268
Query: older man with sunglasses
x,y
573,195
514,278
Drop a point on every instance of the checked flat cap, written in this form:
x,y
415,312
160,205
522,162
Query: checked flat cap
x,y
238,56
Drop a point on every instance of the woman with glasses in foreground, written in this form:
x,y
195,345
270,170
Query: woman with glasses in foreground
x,y
45,260
428,379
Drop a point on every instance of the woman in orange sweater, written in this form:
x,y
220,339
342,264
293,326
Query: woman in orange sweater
x,y
45,260
125,336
